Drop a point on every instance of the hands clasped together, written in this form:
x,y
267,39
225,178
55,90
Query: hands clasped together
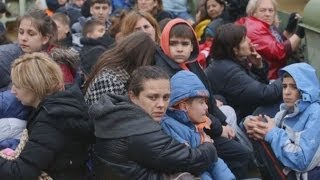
x,y
258,126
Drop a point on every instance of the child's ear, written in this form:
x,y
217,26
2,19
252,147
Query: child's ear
x,y
183,106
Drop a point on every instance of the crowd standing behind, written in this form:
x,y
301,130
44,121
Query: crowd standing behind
x,y
85,92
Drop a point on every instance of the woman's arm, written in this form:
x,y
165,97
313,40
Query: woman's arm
x,y
44,142
160,152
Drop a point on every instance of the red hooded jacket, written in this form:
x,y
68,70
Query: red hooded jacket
x,y
273,51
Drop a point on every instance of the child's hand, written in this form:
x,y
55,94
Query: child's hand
x,y
207,139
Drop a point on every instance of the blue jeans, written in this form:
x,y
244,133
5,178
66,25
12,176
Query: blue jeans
x,y
218,170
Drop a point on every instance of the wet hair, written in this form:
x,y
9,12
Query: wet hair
x,y
254,4
131,19
62,18
143,74
38,73
42,22
92,2
90,26
229,36
131,52
182,31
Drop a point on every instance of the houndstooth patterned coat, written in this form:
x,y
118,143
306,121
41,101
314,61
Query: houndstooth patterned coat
x,y
109,80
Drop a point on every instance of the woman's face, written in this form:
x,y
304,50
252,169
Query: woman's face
x,y
265,12
145,26
214,9
29,38
146,5
244,49
27,97
154,98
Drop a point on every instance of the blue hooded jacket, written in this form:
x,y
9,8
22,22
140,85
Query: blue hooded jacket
x,y
295,139
11,107
176,123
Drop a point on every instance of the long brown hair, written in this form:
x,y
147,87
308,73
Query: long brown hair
x,y
131,52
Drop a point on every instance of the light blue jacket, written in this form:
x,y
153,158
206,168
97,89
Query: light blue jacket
x,y
296,139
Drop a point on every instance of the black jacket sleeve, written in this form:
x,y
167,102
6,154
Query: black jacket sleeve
x,y
39,152
162,153
215,128
234,83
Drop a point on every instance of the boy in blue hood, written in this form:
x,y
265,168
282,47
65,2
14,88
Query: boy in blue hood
x,y
293,133
186,118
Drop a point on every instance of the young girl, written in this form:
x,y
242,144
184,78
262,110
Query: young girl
x,y
36,32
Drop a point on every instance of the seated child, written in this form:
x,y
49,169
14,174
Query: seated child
x,y
179,51
63,24
293,133
95,41
186,118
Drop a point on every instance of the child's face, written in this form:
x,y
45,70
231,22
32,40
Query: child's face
x,y
100,11
197,109
290,91
180,49
63,29
29,38
97,32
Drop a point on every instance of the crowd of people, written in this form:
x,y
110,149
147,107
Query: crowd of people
x,y
149,89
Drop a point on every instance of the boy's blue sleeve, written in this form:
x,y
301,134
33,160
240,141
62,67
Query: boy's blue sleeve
x,y
180,132
298,150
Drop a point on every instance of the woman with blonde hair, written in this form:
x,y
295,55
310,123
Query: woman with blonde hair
x,y
140,21
262,29
58,128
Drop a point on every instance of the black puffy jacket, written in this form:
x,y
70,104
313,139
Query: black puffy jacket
x,y
130,145
59,133
243,89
